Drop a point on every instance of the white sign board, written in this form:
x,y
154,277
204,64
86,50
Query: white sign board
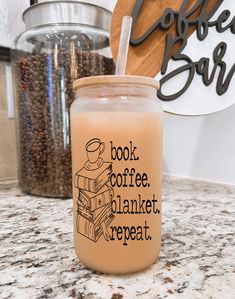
x,y
200,99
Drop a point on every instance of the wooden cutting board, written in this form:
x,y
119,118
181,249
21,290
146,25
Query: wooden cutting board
x,y
146,58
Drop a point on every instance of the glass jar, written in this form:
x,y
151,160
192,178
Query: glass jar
x,y
116,132
63,41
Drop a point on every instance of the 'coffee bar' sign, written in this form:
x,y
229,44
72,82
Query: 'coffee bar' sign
x,y
189,46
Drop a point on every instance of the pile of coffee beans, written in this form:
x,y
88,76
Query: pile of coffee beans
x,y
44,96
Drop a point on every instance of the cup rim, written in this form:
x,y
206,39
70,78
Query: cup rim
x,y
116,79
92,141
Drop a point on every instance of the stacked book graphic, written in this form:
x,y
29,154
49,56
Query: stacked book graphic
x,y
94,201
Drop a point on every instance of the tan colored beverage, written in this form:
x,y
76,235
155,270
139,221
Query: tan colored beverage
x,y
117,166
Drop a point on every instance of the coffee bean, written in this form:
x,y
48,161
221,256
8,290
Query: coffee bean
x,y
45,94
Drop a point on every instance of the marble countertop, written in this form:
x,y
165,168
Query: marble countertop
x,y
197,260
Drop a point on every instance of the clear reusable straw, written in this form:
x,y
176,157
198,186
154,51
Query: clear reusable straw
x,y
124,45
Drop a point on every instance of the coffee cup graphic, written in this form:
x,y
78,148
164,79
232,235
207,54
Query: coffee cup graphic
x,y
94,149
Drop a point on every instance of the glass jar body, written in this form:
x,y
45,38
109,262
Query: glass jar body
x,y
46,60
117,172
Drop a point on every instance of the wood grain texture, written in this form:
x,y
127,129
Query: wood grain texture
x,y
146,59
103,80
8,160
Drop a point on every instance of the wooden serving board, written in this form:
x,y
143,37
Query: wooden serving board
x,y
146,58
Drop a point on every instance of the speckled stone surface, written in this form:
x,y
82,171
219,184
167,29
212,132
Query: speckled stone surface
x,y
197,260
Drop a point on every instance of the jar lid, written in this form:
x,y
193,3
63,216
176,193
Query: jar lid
x,y
67,12
122,80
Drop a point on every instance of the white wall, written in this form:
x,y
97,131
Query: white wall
x,y
10,11
201,147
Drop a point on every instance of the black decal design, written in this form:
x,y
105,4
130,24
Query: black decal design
x,y
94,214
201,67
185,19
